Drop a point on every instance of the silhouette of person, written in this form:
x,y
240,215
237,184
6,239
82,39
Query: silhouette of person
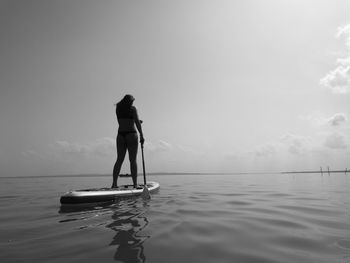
x,y
129,244
128,223
127,138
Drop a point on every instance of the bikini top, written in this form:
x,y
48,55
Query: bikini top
x,y
124,112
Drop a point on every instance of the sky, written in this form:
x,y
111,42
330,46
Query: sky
x,y
222,86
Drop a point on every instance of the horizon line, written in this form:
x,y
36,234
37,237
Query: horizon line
x,y
178,173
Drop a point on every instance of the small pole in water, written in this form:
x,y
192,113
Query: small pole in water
x,y
321,171
346,169
328,171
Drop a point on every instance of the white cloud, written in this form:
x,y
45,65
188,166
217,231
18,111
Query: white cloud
x,y
332,132
160,146
174,150
296,144
317,119
103,147
99,147
267,149
164,145
337,119
65,147
338,79
343,61
33,155
64,157
189,150
344,31
289,143
336,140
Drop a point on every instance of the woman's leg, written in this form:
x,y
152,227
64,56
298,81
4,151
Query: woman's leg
x,y
132,145
121,151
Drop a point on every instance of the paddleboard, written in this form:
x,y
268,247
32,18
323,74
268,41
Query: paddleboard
x,y
99,195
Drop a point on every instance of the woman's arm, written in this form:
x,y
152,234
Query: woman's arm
x,y
138,124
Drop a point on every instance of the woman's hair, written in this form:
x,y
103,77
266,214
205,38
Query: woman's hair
x,y
128,99
123,107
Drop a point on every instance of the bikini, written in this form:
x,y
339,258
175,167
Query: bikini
x,y
125,113
125,133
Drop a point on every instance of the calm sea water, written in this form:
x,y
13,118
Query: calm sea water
x,y
193,218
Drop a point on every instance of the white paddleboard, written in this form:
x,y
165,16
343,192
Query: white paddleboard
x,y
99,195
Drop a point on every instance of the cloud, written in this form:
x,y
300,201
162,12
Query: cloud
x,y
65,147
338,79
267,149
288,143
164,145
296,144
317,119
32,154
333,132
99,148
336,140
189,150
344,31
176,150
160,146
343,61
337,119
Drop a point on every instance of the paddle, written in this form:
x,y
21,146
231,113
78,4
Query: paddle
x,y
145,192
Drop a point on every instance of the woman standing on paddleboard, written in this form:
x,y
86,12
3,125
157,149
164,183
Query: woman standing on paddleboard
x,y
127,138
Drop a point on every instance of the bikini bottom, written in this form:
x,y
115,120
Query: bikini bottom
x,y
125,133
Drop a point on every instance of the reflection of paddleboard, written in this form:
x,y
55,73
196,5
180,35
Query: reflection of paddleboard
x,y
99,195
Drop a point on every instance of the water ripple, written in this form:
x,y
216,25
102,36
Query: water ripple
x,y
250,218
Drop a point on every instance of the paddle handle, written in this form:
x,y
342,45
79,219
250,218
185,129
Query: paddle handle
x,y
143,165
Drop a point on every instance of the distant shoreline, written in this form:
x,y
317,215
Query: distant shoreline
x,y
317,172
346,171
140,174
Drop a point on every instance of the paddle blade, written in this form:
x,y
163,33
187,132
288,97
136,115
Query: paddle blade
x,y
145,193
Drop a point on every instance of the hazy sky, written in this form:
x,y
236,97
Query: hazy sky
x,y
222,86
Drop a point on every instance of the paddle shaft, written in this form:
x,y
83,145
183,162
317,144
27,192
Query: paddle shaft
x,y
143,165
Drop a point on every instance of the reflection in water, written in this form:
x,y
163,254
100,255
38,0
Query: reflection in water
x,y
127,224
128,220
